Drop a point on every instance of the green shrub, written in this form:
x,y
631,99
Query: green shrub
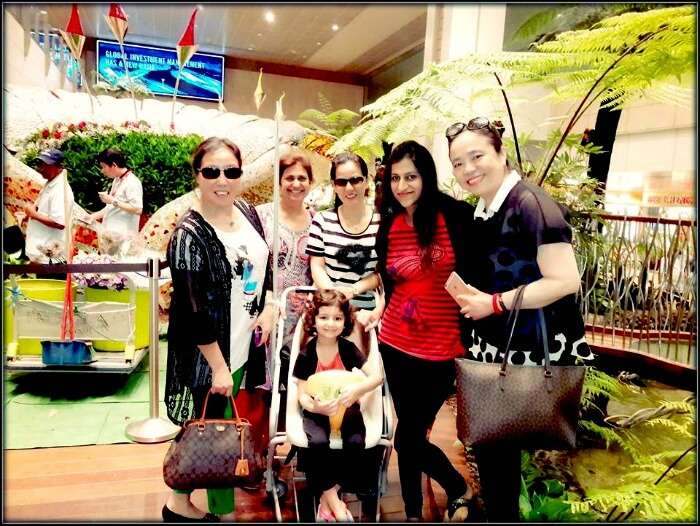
x,y
160,161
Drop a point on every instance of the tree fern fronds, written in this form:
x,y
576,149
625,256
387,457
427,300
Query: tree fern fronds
x,y
326,106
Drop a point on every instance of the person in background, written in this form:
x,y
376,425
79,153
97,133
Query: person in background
x,y
124,201
49,216
341,240
221,275
418,245
520,236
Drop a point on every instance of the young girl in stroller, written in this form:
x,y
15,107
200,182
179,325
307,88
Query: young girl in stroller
x,y
328,320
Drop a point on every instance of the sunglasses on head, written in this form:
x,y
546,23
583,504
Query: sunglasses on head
x,y
354,181
477,123
213,172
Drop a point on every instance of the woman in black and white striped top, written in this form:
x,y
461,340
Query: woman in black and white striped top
x,y
341,240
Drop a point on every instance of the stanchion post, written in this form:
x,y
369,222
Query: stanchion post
x,y
153,429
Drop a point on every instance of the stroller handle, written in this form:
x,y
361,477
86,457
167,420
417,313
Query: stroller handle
x,y
292,290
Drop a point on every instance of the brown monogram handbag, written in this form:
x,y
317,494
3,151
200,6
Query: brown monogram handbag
x,y
212,453
532,406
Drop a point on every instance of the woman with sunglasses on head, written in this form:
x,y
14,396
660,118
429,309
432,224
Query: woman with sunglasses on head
x,y
220,268
419,245
521,236
342,239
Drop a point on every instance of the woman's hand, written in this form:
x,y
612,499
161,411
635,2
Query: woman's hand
x,y
266,321
369,319
350,394
475,304
221,381
348,292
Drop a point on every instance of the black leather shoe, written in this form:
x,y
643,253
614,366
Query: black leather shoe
x,y
171,516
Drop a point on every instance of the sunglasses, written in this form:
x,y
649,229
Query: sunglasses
x,y
354,181
213,172
477,123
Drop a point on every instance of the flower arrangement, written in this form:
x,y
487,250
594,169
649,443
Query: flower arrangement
x,y
98,280
55,135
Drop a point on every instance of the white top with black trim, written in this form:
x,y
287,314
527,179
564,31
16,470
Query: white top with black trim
x,y
348,257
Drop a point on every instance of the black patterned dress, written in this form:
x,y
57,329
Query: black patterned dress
x,y
503,253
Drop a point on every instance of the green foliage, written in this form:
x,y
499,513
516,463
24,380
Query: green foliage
x,y
598,384
661,68
160,161
544,499
336,123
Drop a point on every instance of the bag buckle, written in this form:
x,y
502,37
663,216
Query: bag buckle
x,y
547,374
501,372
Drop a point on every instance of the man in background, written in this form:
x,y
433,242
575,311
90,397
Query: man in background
x,y
51,213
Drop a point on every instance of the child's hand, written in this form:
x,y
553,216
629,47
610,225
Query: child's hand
x,y
350,394
328,408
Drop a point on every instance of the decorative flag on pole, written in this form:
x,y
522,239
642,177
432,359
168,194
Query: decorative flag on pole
x,y
185,49
259,94
118,22
74,37
279,114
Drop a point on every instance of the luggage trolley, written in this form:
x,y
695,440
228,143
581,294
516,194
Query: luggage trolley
x,y
376,407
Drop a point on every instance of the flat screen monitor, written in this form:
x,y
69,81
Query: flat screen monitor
x,y
202,78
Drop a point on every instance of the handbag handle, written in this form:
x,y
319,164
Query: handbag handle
x,y
512,320
233,406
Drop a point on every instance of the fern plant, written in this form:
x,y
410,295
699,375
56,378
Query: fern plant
x,y
327,121
620,60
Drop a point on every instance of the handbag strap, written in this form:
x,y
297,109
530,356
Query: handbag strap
x,y
233,406
513,319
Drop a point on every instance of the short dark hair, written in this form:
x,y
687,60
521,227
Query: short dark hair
x,y
296,157
347,157
210,145
112,156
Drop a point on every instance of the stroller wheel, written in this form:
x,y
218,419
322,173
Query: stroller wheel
x,y
281,488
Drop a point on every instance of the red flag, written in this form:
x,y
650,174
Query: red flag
x,y
116,11
187,38
117,22
74,25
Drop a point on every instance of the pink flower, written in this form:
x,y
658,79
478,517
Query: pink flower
x,y
45,133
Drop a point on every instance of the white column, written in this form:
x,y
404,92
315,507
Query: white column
x,y
453,31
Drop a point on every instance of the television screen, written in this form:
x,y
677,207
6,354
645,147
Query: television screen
x,y
156,68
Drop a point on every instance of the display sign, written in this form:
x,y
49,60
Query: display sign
x,y
202,77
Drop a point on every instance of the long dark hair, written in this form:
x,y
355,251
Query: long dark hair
x,y
347,157
425,216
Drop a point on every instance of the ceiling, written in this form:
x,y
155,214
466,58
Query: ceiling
x,y
367,36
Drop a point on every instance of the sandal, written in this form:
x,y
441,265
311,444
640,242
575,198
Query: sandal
x,y
461,509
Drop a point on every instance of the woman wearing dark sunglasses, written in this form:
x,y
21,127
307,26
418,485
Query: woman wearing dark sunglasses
x,y
521,236
341,240
419,244
220,268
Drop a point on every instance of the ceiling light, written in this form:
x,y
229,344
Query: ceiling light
x,y
335,27
251,48
259,34
318,43
42,12
269,16
293,52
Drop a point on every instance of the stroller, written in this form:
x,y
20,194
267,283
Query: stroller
x,y
376,408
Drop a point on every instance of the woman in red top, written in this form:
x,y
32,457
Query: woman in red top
x,y
418,245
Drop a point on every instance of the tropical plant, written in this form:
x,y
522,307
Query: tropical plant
x,y
327,121
620,60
